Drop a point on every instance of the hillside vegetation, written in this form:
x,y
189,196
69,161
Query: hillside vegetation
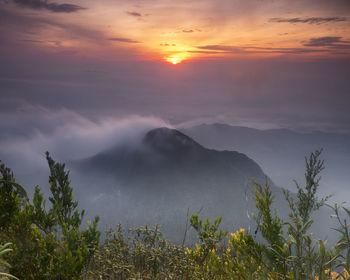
x,y
47,240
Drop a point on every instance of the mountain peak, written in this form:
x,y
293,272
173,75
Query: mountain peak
x,y
169,140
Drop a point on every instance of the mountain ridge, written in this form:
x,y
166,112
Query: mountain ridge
x,y
168,173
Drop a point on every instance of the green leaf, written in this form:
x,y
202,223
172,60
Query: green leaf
x,y
347,211
8,275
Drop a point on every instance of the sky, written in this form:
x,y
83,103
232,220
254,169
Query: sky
x,y
256,63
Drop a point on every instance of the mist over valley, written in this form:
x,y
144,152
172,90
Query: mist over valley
x,y
151,174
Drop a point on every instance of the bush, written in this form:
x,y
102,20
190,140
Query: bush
x,y
49,244
145,254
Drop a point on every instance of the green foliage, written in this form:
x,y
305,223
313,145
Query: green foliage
x,y
12,196
269,225
306,263
209,234
3,264
343,245
47,244
294,255
63,205
307,200
271,228
145,254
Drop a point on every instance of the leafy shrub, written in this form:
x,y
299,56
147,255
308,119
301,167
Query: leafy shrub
x,y
145,254
47,244
3,264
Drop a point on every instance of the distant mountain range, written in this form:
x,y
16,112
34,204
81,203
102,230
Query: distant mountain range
x,y
167,174
281,152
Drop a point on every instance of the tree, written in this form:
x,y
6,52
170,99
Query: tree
x,y
64,206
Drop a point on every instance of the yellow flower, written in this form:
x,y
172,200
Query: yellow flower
x,y
237,234
197,247
188,251
335,275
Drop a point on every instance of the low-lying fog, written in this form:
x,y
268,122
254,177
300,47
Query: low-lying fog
x,y
70,137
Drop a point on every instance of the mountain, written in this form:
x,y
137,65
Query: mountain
x,y
281,152
169,152
166,174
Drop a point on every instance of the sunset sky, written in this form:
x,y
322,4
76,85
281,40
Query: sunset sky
x,y
265,64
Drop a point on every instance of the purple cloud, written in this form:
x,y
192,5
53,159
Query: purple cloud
x,y
310,20
45,5
123,40
134,14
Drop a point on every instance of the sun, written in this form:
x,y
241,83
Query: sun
x,y
175,59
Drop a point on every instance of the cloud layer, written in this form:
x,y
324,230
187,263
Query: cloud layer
x,y
134,14
261,50
50,6
328,41
123,40
310,20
